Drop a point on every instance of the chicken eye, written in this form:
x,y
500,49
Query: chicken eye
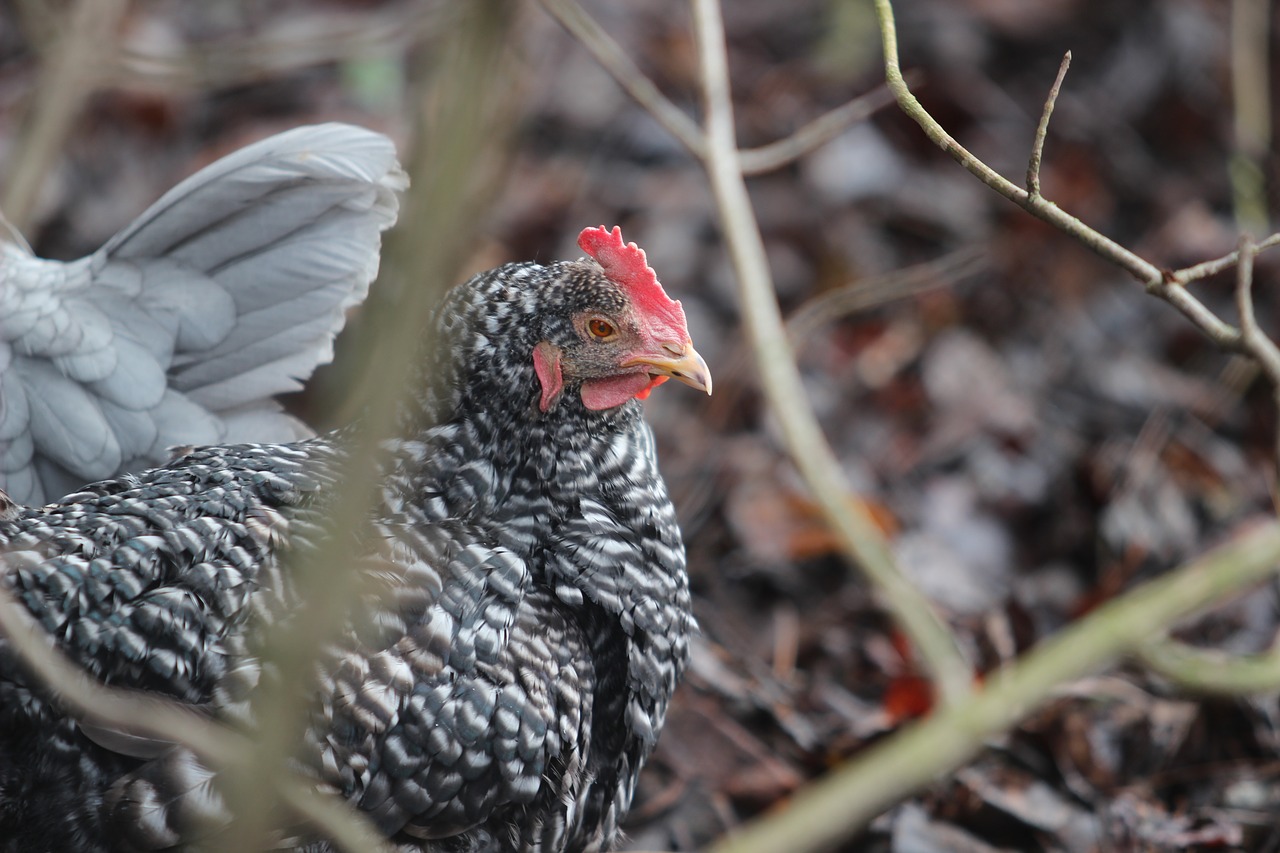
x,y
601,328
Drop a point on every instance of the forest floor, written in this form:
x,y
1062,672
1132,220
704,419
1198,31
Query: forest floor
x,y
1034,432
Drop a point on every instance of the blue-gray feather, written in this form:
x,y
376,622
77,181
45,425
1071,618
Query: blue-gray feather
x,y
226,292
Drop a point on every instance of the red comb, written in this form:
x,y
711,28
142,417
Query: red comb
x,y
626,266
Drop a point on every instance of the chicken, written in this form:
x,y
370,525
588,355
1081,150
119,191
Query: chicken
x,y
534,615
179,331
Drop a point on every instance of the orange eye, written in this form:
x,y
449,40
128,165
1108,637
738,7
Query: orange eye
x,y
601,328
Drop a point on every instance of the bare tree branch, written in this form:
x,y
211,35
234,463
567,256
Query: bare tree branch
x,y
1211,671
857,532
1251,94
878,290
69,75
1196,272
815,134
330,37
832,809
153,716
718,150
1042,129
627,74
1255,342
461,132
753,161
1155,280
142,714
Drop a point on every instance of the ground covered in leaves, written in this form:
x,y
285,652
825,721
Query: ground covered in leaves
x,y
1036,433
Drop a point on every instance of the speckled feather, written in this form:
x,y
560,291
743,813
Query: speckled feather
x,y
532,622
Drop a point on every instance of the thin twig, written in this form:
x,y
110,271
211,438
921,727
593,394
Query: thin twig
x,y
1256,342
343,826
1042,129
815,134
753,161
1251,94
833,808
1244,290
142,714
1206,269
322,37
857,532
474,73
1220,332
868,293
1211,671
1152,277
68,76
830,810
627,74
153,716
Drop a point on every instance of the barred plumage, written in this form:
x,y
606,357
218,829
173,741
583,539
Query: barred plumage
x,y
534,617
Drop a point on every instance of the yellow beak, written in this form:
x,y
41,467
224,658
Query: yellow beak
x,y
679,362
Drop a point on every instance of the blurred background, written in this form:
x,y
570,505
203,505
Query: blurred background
x,y
1034,432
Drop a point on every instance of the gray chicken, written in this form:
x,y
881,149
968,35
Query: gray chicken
x,y
180,330
503,689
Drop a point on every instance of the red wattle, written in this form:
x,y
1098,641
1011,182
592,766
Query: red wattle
x,y
613,391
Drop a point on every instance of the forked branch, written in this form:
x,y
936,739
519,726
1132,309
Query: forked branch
x,y
1042,129
1165,284
158,717
831,809
752,161
852,524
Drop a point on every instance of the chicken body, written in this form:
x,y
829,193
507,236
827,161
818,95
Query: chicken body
x,y
504,687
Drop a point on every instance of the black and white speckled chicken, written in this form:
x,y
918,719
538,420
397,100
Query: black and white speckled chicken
x,y
180,330
535,614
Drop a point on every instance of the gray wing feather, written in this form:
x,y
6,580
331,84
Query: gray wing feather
x,y
225,292
66,422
